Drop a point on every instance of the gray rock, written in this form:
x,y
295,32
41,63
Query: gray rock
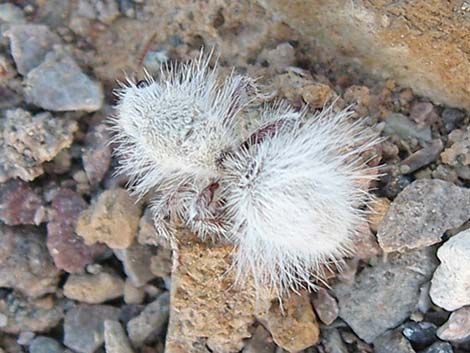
x,y
58,84
115,338
150,322
421,213
84,326
25,263
260,342
325,306
27,141
96,154
450,287
136,260
332,342
422,157
43,344
457,328
278,58
382,297
392,342
423,113
9,15
398,124
439,347
35,315
29,45
421,334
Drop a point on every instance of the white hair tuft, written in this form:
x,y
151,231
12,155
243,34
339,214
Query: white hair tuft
x,y
293,196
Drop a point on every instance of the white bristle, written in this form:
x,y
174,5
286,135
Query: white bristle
x,y
292,197
289,197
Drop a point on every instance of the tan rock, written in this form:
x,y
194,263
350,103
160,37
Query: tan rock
x,y
317,95
94,289
294,326
380,207
133,294
422,44
206,308
113,220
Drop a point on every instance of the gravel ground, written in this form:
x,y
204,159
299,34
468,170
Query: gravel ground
x,y
80,268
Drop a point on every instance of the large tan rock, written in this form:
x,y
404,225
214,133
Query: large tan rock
x,y
422,44
208,310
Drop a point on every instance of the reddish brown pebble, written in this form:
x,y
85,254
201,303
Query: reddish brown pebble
x,y
66,248
423,113
19,204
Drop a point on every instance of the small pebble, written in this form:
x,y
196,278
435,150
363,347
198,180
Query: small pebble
x,y
452,118
28,314
450,284
133,294
325,306
150,322
395,281
25,338
414,219
279,58
380,207
392,342
405,128
457,328
19,204
94,289
113,220
84,326
58,84
96,154
295,326
29,45
25,264
332,342
422,157
420,334
317,95
43,344
458,154
439,347
136,260
66,248
115,339
260,342
424,113
27,141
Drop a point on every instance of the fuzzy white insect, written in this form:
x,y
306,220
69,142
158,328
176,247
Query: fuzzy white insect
x,y
289,196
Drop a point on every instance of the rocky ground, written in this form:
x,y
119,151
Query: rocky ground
x,y
80,268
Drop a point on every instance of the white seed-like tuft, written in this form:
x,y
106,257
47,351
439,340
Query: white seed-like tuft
x,y
293,197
